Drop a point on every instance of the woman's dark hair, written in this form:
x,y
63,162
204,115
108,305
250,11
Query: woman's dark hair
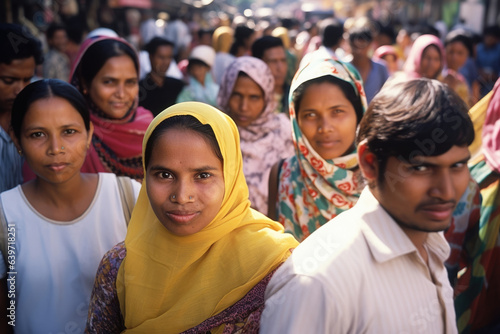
x,y
420,117
44,89
461,36
99,53
183,122
241,34
346,87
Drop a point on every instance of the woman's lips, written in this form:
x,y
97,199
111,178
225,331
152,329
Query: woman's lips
x,y
181,217
327,143
57,167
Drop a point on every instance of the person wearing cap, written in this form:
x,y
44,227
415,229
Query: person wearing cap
x,y
201,86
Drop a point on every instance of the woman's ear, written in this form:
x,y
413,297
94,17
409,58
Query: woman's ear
x,y
89,134
16,142
367,162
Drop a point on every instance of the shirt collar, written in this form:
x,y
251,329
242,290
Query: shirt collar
x,y
5,136
385,237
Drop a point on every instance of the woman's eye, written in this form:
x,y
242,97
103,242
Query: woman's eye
x,y
165,175
37,134
70,131
204,175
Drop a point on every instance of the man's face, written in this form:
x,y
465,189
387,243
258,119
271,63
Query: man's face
x,y
59,40
161,59
13,78
275,58
422,194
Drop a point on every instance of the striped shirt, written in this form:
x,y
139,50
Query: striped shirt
x,y
360,273
11,163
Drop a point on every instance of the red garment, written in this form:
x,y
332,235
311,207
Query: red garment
x,y
116,144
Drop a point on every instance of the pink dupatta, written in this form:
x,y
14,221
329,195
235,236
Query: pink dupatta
x,y
116,144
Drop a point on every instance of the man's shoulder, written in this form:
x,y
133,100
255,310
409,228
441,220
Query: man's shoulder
x,y
328,249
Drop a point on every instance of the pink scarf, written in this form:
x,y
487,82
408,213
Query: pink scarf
x,y
491,130
116,144
412,64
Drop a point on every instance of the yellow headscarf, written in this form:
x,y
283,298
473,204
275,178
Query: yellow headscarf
x,y
222,39
167,283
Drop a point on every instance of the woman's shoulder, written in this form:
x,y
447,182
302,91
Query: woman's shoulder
x,y
243,316
112,260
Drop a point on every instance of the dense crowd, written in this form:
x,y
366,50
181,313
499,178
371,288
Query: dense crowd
x,y
336,176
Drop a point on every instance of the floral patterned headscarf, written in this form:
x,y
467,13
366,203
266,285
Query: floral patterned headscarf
x,y
313,190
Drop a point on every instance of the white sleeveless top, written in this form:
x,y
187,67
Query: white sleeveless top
x,y
56,261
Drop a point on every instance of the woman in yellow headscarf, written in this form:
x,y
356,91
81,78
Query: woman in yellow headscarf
x,y
196,257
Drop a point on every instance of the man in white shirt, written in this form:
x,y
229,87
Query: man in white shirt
x,y
378,267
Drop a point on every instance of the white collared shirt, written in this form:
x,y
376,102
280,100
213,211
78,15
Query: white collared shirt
x,y
360,273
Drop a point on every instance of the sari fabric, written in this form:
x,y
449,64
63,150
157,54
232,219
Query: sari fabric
x,y
116,144
265,141
171,283
313,190
478,289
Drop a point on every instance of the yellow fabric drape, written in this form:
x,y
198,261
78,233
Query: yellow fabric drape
x,y
168,284
478,114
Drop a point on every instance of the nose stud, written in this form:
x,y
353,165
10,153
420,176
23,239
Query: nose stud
x,y
62,147
174,197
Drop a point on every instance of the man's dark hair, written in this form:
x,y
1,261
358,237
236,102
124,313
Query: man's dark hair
x,y
16,42
421,117
51,30
461,36
331,31
492,30
260,46
155,43
363,33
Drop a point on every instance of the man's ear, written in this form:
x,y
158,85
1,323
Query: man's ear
x,y
367,162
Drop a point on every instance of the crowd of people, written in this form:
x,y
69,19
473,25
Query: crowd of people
x,y
334,177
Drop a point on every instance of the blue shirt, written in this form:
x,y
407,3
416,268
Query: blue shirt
x,y
11,163
375,80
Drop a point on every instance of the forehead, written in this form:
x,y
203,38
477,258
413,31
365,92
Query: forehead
x,y
121,65
19,68
245,83
276,52
453,155
61,111
164,49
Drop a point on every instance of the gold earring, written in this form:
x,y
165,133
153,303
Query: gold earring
x,y
20,152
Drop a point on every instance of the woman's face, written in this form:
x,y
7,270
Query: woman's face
x,y
115,87
199,72
430,64
54,139
456,55
185,181
328,120
392,63
246,102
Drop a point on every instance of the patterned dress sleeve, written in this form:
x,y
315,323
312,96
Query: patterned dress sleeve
x,y
104,312
242,317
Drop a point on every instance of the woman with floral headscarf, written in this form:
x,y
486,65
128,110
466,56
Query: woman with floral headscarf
x,y
246,95
319,182
106,72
